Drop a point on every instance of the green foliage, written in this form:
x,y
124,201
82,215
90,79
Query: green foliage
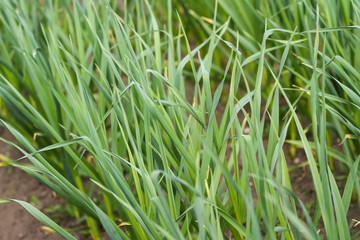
x,y
121,101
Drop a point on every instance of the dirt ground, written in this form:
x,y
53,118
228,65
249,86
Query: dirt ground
x,y
303,187
15,221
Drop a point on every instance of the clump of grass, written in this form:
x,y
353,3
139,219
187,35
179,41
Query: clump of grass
x,y
106,96
338,32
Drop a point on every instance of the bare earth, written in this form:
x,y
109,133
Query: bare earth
x,y
15,221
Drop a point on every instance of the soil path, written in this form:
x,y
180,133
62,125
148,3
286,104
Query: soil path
x,y
15,221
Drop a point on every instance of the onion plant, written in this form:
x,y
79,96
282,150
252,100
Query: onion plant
x,y
338,26
115,109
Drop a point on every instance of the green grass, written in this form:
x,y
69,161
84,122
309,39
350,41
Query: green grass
x,y
338,32
122,99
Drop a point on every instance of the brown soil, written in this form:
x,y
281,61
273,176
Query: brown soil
x,y
303,187
15,221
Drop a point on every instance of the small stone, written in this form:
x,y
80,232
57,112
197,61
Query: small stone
x,y
246,130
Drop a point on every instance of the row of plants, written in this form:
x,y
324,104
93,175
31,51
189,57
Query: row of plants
x,y
115,104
